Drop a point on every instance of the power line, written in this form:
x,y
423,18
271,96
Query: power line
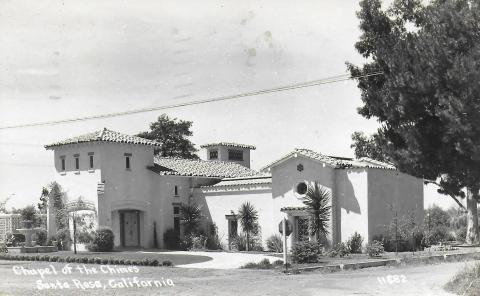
x,y
333,79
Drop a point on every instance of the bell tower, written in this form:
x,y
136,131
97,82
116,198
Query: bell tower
x,y
233,152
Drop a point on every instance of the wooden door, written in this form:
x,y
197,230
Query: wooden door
x,y
130,229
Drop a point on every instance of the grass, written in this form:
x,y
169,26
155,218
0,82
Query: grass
x,y
466,282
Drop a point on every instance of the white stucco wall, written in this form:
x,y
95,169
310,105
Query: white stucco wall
x,y
127,189
391,191
285,178
352,203
217,203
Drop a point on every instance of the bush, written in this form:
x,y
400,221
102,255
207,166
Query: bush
x,y
193,242
275,243
375,248
340,250
41,237
278,262
167,263
63,239
461,234
171,239
103,240
240,242
306,252
213,240
264,264
14,239
354,244
85,237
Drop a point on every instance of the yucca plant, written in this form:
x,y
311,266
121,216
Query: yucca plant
x,y
248,219
191,216
317,199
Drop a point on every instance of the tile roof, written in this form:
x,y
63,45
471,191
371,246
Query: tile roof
x,y
229,145
304,208
200,168
336,162
255,180
105,135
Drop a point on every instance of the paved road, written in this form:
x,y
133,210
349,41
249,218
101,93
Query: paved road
x,y
416,280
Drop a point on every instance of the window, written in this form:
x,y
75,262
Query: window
x,y
127,160
235,155
232,228
303,233
302,188
176,190
176,219
90,156
77,161
62,159
213,154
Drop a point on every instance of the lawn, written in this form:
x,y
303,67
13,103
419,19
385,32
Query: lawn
x,y
176,259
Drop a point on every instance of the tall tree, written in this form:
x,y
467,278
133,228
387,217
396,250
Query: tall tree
x,y
427,100
42,205
368,146
317,199
248,216
173,135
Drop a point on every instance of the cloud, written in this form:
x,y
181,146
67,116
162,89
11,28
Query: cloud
x,y
37,72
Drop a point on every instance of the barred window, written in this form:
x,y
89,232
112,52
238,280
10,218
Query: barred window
x,y
235,155
213,154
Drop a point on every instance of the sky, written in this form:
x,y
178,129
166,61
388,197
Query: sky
x,y
67,59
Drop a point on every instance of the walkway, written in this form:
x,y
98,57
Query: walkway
x,y
222,260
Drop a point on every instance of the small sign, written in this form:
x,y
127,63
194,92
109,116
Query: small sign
x,y
288,226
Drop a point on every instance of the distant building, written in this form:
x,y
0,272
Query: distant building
x,y
132,188
9,223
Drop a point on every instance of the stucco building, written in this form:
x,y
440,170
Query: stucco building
x,y
133,188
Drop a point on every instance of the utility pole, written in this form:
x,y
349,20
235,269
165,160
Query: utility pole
x,y
74,234
396,234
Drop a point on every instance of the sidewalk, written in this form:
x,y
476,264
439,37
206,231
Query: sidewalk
x,y
222,260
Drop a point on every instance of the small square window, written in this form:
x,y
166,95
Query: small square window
x,y
213,154
176,210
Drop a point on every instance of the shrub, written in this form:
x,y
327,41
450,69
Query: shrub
x,y
375,248
104,261
41,237
14,239
240,242
461,234
171,239
85,237
275,244
278,262
306,252
103,240
264,264
154,262
213,240
167,263
193,242
63,239
340,250
354,244
98,260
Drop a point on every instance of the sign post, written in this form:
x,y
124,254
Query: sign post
x,y
284,228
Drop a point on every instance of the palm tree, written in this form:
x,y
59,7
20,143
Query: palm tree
x,y
317,199
248,219
191,216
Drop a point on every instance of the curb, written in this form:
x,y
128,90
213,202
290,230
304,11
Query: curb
x,y
391,262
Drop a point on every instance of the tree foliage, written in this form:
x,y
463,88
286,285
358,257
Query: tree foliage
x,y
368,146
173,135
248,216
427,100
317,200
